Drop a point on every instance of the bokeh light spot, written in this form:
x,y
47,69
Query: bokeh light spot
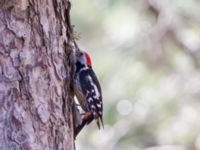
x,y
124,107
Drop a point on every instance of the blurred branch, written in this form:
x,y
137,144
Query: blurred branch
x,y
171,147
165,28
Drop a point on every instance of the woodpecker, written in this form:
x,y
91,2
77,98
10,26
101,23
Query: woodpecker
x,y
87,90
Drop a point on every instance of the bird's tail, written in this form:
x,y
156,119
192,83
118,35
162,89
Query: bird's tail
x,y
100,123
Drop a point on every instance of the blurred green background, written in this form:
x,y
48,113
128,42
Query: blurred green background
x,y
146,55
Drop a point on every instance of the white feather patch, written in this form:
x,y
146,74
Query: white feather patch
x,y
97,94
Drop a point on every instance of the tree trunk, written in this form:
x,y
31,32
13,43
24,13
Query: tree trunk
x,y
36,68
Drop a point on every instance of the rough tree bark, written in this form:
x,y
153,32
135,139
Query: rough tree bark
x,y
36,65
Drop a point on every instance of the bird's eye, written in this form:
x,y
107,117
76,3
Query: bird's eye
x,y
79,54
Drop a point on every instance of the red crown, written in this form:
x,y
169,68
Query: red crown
x,y
89,62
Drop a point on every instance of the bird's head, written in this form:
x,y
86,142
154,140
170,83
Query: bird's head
x,y
83,58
